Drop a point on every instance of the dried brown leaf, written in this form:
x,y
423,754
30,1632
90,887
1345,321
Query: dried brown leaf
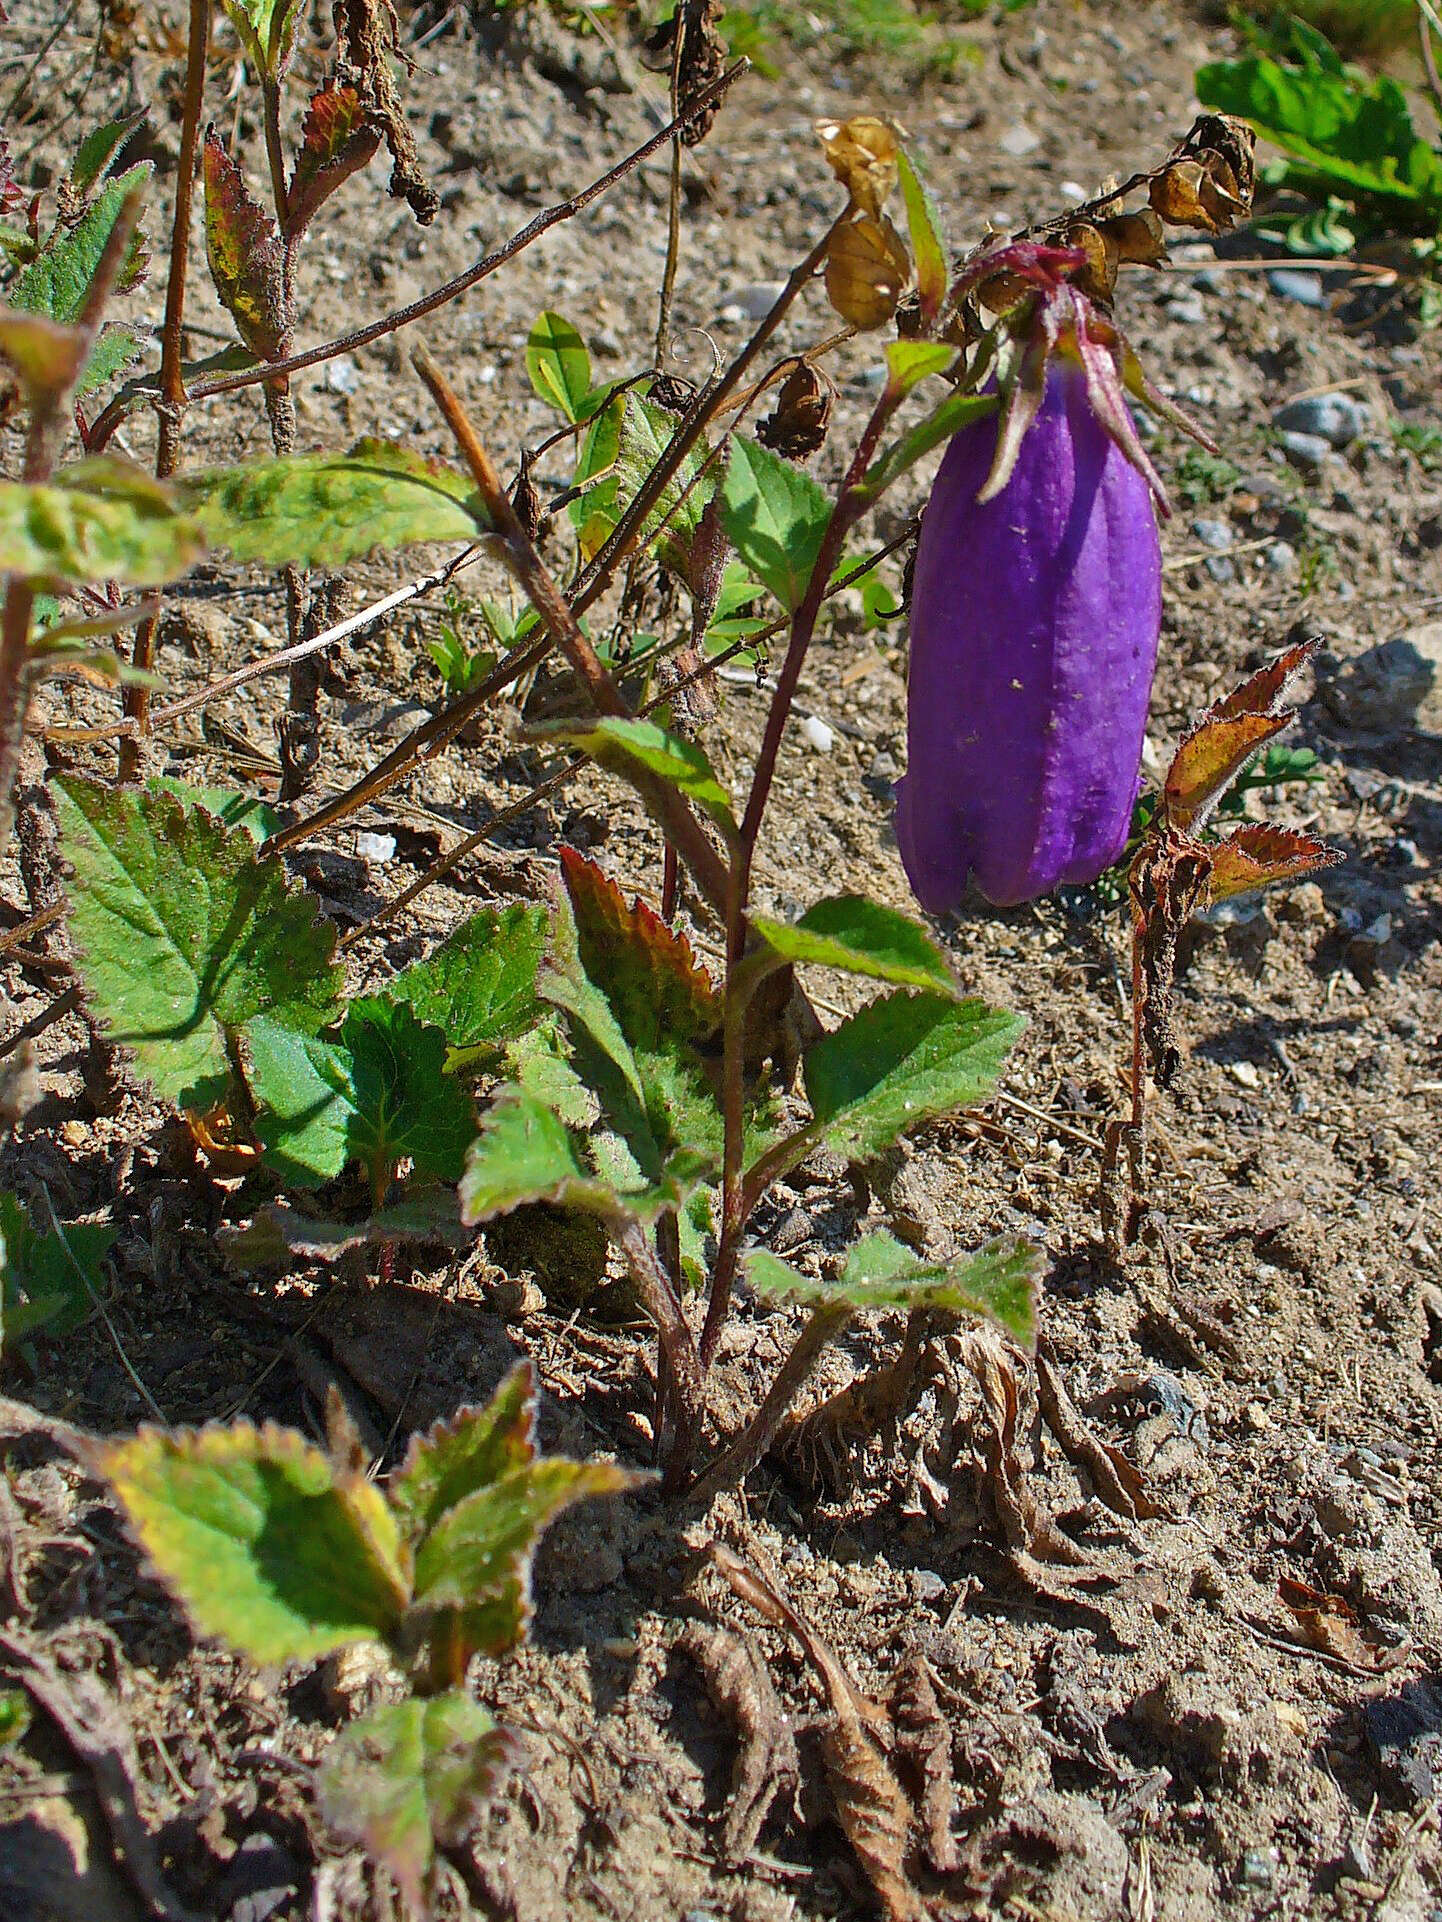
x,y
867,268
1168,883
1327,1623
1029,1530
796,425
1261,692
1258,855
766,1761
922,1753
1210,757
1118,1482
337,140
861,152
367,37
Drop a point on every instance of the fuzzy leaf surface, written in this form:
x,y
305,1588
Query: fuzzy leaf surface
x,y
100,520
336,141
905,1059
267,31
243,247
228,805
326,509
411,1774
479,985
928,241
848,931
525,1153
645,433
475,1447
184,933
57,280
260,1537
775,516
999,1282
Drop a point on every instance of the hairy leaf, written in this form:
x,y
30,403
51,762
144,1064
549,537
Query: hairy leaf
x,y
267,32
57,280
231,808
412,1774
1259,854
262,1539
321,510
378,1094
336,141
905,1059
525,1153
849,932
559,366
644,434
245,253
475,1447
624,746
775,516
183,933
928,239
100,520
479,986
999,1282
99,150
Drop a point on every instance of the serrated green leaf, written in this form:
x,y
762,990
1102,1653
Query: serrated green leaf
x,y
412,1774
231,808
57,280
948,417
263,1541
479,985
539,1063
100,520
559,366
862,937
998,1283
267,31
115,347
475,1447
326,509
525,1153
905,1059
485,1542
644,434
623,746
377,1094
911,361
184,933
47,1276
928,240
96,154
776,517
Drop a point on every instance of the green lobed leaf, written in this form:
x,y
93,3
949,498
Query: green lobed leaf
x,y
99,520
46,1277
377,1094
905,1059
998,1283
467,1452
184,933
776,517
624,746
862,937
485,1542
559,366
326,509
227,805
525,1153
928,239
479,985
643,437
413,1774
98,151
262,1539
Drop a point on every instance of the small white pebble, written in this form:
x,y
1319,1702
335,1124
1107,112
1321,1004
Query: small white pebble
x,y
1245,1073
817,734
376,847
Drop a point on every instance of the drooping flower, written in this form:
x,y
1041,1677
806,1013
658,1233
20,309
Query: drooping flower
x,y
1035,615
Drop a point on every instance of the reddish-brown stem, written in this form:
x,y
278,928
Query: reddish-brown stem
x,y
741,1456
171,409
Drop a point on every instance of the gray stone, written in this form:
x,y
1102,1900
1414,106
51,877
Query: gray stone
x,y
1019,140
1336,417
1281,557
1397,684
1213,534
1219,568
1404,1734
1306,450
757,300
1305,289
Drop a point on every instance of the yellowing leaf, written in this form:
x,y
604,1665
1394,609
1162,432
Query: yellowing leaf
x,y
867,269
1259,854
1213,754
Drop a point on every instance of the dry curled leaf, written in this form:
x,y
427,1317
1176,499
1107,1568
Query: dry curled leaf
x,y
702,58
766,1762
1118,1482
367,37
796,426
867,268
861,152
922,1754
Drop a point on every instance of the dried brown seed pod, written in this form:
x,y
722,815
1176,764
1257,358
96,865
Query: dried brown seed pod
x,y
861,152
796,425
867,268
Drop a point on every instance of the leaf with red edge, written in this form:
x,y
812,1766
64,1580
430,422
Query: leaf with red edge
x,y
658,991
336,141
475,1447
1260,694
1260,854
244,250
1211,756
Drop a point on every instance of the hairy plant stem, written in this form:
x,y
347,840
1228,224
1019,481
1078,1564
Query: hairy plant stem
x,y
737,1196
742,1454
171,406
